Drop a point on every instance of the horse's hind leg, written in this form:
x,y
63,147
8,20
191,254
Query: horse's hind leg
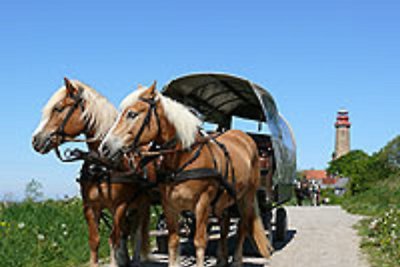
x,y
200,239
92,217
241,235
222,253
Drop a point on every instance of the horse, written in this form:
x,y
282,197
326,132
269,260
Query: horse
x,y
229,164
77,109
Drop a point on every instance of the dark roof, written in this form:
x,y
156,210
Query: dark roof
x,y
218,97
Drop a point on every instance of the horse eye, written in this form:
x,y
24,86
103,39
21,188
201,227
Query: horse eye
x,y
131,114
58,109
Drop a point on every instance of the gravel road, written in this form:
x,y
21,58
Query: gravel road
x,y
321,237
318,237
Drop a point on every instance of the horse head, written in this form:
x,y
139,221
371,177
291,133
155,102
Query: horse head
x,y
74,109
138,124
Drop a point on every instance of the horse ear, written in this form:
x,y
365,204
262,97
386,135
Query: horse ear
x,y
152,88
70,87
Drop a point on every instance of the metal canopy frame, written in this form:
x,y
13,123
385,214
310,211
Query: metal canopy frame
x,y
219,97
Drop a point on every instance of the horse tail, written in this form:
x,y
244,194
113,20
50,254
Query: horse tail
x,y
257,231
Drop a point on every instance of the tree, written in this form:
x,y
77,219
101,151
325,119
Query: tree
x,y
345,165
33,191
355,165
389,155
364,170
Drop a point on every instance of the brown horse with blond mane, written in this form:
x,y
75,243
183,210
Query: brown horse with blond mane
x,y
78,109
149,117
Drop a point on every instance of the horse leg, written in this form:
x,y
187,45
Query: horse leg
x,y
122,254
115,237
92,217
140,234
241,234
173,236
144,231
134,222
200,238
222,253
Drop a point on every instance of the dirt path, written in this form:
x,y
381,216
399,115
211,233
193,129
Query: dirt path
x,y
322,237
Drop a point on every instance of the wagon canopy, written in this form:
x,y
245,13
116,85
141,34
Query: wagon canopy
x,y
219,97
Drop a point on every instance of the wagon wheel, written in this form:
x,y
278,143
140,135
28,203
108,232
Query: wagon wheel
x,y
281,224
267,221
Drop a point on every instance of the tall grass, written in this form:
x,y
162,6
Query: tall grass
x,y
49,233
380,231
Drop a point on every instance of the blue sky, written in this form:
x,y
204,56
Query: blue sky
x,y
314,56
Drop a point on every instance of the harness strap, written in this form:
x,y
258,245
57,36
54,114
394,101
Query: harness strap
x,y
198,173
191,160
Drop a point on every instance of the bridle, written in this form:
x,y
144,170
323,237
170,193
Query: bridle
x,y
146,122
79,102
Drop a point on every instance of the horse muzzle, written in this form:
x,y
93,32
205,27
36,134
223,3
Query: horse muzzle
x,y
43,144
109,152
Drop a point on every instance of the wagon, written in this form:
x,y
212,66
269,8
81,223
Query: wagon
x,y
224,102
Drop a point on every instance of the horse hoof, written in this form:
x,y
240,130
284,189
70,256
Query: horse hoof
x,y
236,264
135,264
222,264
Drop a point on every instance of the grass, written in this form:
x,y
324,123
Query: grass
x,y
381,238
377,200
49,233
380,231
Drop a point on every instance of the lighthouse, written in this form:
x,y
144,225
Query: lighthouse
x,y
342,140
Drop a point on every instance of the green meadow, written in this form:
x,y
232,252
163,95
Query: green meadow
x,y
47,233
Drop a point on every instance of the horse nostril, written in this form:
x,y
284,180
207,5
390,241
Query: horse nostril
x,y
106,150
35,141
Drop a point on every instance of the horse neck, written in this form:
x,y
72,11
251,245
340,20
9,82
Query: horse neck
x,y
92,146
91,132
173,161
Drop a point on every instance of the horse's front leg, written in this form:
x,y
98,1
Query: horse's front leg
x,y
121,253
115,238
92,216
202,211
171,218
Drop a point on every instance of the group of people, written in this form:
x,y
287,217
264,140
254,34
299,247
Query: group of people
x,y
311,190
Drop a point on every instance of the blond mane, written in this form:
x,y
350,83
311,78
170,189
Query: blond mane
x,y
99,113
185,122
